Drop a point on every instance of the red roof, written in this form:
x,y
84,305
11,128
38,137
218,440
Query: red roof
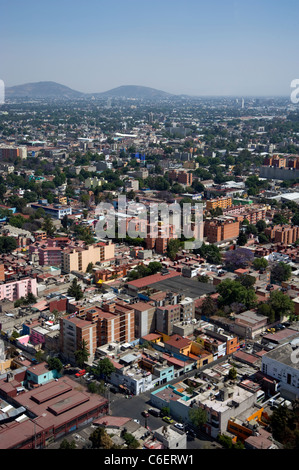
x,y
148,280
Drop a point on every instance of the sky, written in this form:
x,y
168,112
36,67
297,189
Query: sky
x,y
195,47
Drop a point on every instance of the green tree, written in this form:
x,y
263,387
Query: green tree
x,y
82,354
100,439
48,226
281,272
55,364
231,292
281,304
89,267
65,444
174,246
242,239
104,368
75,290
232,373
198,417
260,263
130,440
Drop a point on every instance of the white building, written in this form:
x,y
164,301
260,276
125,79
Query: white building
x,y
282,363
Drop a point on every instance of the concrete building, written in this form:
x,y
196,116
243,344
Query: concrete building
x,y
220,229
144,318
15,290
282,365
221,202
78,258
283,234
54,210
72,333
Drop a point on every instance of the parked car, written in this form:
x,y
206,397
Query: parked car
x,y
145,414
154,412
179,426
80,373
168,420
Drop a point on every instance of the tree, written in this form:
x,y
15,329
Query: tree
x,y
232,373
211,253
265,309
65,444
130,440
238,258
281,272
231,292
260,263
174,246
89,267
242,239
100,439
104,368
82,354
8,244
48,226
246,280
261,225
75,290
55,364
251,229
198,416
209,307
281,304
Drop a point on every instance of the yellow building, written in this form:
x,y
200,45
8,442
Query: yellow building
x,y
78,258
223,203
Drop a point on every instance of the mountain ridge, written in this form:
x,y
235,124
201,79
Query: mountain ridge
x,y
54,90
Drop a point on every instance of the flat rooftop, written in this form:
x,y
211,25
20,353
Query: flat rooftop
x,y
184,285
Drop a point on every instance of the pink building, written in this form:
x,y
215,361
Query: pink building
x,y
15,290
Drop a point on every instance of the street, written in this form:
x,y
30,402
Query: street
x,y
133,407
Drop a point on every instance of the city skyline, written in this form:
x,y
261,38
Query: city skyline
x,y
229,48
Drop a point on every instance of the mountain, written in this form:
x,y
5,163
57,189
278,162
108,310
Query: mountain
x,y
55,90
134,91
42,90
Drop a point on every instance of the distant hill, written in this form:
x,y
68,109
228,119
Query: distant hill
x,y
134,91
55,90
42,90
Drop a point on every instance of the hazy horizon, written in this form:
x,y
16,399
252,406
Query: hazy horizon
x,y
219,48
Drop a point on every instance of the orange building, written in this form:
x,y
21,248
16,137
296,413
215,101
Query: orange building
x,y
283,234
216,230
72,333
222,202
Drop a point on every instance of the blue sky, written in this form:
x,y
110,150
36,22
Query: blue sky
x,y
215,47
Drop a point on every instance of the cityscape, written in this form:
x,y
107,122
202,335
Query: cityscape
x,y
149,269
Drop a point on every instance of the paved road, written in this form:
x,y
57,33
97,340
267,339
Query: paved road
x,y
133,407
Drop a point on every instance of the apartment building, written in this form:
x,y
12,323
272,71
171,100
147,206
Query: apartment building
x,y
78,258
221,202
220,229
72,333
181,176
10,152
145,319
283,234
15,290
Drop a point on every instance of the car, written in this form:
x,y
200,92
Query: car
x,y
80,373
145,414
154,412
136,421
179,426
168,420
191,432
